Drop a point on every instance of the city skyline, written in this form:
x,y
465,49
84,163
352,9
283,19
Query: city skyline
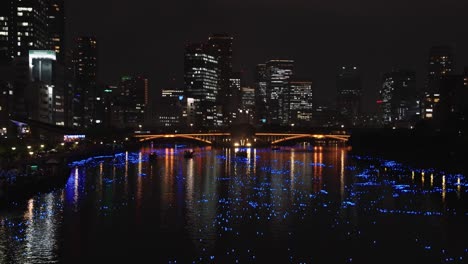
x,y
377,38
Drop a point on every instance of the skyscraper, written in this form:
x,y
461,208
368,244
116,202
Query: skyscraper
x,y
28,27
45,99
260,79
349,89
85,64
232,99
220,46
279,73
56,27
201,76
398,98
440,64
5,30
134,98
300,102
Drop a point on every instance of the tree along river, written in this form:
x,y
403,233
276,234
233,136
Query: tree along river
x,y
302,204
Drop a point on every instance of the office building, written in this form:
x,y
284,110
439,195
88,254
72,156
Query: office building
x,y
201,76
134,92
349,90
299,103
398,97
440,64
278,73
261,81
85,68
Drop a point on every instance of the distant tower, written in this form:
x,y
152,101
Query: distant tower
x,y
5,30
279,73
349,86
56,27
28,27
201,76
398,96
300,103
134,95
440,65
260,79
85,62
220,46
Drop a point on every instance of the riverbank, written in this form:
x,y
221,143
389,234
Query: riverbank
x,y
439,150
24,178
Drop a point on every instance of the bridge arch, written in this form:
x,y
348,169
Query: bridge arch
x,y
154,137
285,138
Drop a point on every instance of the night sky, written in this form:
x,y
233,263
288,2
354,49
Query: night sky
x,y
142,36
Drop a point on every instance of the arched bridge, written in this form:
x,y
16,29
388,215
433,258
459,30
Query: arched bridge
x,y
277,138
208,138
257,138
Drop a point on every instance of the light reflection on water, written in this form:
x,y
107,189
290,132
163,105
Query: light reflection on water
x,y
218,207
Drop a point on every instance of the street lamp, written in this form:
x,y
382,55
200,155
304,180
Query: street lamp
x,y
29,147
13,148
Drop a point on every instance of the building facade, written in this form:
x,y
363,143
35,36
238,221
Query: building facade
x,y
279,74
398,97
349,91
201,77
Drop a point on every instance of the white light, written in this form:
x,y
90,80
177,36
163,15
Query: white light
x,y
41,54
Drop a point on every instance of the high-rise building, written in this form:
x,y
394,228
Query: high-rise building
x,y
5,30
56,27
85,66
349,90
6,93
452,109
261,81
398,98
279,73
248,98
31,25
440,64
201,76
220,46
47,88
170,109
230,107
28,27
299,102
134,92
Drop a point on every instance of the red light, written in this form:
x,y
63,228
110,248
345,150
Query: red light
x,y
379,101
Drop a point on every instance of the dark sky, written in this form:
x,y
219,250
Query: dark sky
x,y
141,36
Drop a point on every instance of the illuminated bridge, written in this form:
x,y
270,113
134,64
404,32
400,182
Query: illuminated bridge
x,y
255,139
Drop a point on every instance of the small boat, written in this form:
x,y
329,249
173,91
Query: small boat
x,y
153,156
188,154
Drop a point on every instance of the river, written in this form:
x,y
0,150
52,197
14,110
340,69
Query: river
x,y
302,204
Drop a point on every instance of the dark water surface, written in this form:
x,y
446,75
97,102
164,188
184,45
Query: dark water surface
x,y
294,205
